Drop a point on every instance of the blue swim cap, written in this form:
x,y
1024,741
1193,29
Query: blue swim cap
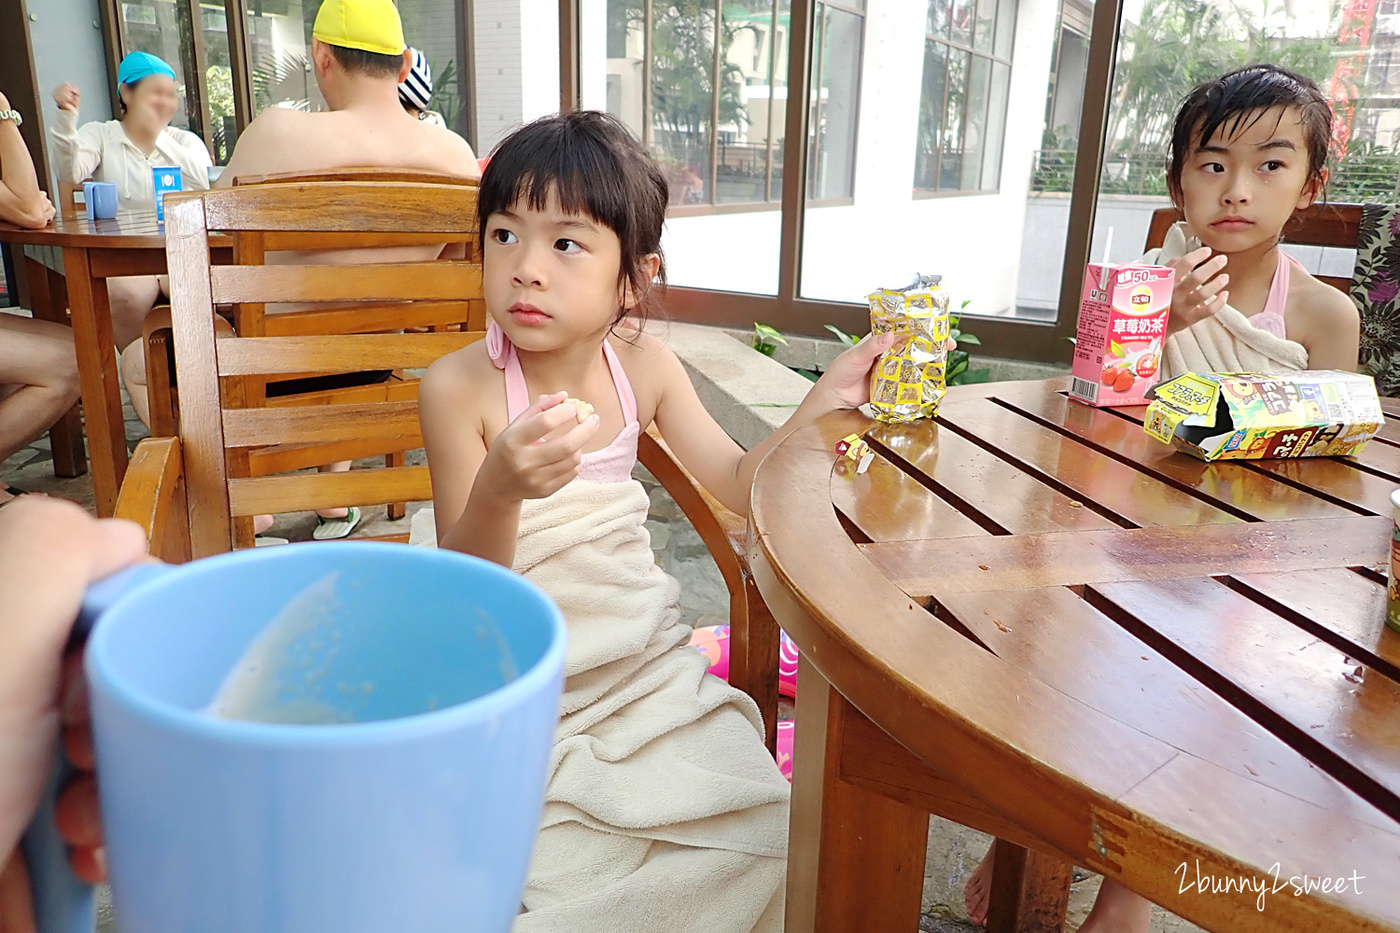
x,y
140,65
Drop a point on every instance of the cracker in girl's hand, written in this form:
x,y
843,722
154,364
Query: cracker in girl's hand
x,y
581,408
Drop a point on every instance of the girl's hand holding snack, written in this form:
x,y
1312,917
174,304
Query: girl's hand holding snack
x,y
540,452
1199,291
846,381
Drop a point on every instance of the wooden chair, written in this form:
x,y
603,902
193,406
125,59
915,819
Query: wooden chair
x,y
467,314
188,491
1321,225
67,198
236,439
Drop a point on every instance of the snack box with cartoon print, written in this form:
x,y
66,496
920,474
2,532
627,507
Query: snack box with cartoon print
x,y
1122,324
1255,416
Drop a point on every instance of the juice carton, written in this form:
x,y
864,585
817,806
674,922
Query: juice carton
x,y
1122,324
166,178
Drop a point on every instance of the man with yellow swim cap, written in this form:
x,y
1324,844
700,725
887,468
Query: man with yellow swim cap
x,y
359,56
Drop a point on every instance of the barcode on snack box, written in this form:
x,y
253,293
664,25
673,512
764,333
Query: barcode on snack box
x,y
1085,389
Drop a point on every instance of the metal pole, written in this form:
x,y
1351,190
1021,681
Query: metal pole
x,y
1084,199
795,149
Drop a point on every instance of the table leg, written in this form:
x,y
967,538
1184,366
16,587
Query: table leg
x,y
97,369
48,300
1030,891
855,857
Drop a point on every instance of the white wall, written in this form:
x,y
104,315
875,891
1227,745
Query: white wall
x,y
887,235
517,65
67,39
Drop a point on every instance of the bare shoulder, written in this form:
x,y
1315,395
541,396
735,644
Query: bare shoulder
x,y
454,154
465,380
652,367
1319,307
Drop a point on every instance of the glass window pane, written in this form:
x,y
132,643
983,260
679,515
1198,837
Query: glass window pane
x,y
954,120
986,23
218,82
931,115
833,145
682,97
279,43
960,21
741,169
996,127
625,68
430,26
937,19
161,28
976,121
1006,28
997,242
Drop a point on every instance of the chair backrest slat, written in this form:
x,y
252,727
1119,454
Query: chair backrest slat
x,y
337,207
1335,225
360,173
274,356
408,281
258,427
261,495
372,318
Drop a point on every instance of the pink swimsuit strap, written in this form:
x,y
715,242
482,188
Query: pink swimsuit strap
x,y
1271,318
502,353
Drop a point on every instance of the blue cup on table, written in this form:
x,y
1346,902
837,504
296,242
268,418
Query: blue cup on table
x,y
101,200
417,810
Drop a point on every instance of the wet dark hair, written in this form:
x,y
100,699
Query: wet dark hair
x,y
595,166
1235,101
373,64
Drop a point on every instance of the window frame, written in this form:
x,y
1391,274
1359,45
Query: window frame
x,y
938,191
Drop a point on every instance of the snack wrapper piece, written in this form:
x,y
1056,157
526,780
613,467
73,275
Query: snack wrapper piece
x,y
908,381
854,448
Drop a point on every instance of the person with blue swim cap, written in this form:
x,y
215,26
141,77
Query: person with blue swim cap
x,y
123,152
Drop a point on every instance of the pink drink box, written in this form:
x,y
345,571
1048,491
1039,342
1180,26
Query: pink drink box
x,y
1122,325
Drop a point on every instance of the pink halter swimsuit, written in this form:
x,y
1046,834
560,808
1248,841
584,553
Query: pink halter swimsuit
x,y
1270,320
612,464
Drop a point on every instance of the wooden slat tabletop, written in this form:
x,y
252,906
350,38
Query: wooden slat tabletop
x,y
1228,615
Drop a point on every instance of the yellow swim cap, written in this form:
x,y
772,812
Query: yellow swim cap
x,y
367,25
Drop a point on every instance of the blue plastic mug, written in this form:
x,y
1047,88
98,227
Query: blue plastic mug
x,y
419,815
101,200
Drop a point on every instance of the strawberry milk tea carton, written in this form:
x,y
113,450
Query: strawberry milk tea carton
x,y
1122,323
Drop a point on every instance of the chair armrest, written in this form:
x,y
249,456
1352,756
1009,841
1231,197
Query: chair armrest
x,y
153,496
725,534
753,632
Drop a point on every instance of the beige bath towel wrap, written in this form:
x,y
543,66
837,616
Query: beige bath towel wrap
x,y
1225,342
664,811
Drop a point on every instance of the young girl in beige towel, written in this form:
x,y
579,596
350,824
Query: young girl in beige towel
x,y
664,810
1249,150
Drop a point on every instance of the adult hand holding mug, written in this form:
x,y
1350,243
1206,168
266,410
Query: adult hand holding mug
x,y
50,551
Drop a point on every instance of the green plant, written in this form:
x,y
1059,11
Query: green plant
x,y
842,336
959,359
766,339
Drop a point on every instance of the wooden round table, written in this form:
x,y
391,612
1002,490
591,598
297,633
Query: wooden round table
x,y
1031,618
93,251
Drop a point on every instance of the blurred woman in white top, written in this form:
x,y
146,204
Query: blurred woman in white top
x,y
124,152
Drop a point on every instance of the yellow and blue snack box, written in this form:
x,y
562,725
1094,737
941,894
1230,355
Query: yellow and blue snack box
x,y
1256,416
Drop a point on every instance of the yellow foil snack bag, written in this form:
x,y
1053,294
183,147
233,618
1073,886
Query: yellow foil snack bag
x,y
908,381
